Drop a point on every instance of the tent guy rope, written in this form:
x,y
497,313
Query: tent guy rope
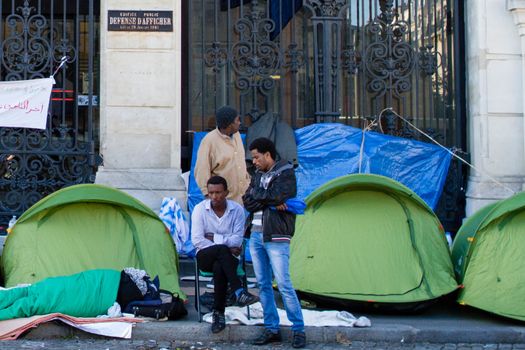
x,y
391,110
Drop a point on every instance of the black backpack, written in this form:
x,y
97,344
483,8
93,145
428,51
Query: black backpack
x,y
167,305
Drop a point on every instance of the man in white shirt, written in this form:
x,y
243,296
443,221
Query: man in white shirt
x,y
217,230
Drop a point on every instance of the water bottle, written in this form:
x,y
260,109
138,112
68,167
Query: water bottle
x,y
12,222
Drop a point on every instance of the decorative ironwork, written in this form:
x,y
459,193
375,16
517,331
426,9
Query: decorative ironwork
x,y
25,52
216,57
335,61
388,123
389,58
327,21
451,206
35,163
428,60
255,58
326,8
350,60
294,58
63,48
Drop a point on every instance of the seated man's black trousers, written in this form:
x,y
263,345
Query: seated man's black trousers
x,y
219,260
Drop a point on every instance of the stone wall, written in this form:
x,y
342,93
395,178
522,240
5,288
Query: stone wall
x,y
140,106
495,103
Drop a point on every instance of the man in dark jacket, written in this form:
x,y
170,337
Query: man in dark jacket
x,y
271,227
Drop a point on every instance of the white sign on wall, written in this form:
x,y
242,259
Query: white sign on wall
x,y
24,103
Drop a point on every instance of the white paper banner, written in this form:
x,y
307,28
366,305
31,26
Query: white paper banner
x,y
24,103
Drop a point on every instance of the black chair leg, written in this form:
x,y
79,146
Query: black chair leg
x,y
245,283
197,291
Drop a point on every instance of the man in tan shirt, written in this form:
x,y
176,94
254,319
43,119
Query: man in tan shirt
x,y
221,153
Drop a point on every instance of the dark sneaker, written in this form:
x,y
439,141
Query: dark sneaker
x,y
298,340
218,322
246,298
268,337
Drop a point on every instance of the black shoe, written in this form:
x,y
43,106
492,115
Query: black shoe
x,y
298,340
219,322
268,337
245,299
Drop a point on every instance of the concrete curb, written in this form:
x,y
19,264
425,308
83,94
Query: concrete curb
x,y
200,332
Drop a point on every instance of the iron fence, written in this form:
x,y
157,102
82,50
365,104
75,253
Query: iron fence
x,y
34,36
340,61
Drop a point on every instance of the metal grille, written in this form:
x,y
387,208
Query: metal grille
x,y
334,61
34,36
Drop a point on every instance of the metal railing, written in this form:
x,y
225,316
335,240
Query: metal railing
x,y
332,61
34,36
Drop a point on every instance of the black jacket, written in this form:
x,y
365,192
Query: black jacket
x,y
280,187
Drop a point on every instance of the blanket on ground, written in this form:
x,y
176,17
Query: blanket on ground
x,y
238,315
119,327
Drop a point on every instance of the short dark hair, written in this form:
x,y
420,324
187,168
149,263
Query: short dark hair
x,y
218,180
263,145
225,116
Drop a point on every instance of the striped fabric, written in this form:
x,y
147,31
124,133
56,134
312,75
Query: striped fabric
x,y
279,239
257,221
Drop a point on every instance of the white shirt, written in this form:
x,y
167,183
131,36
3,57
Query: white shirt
x,y
228,229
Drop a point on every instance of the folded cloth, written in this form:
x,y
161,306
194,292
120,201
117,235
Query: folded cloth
x,y
295,206
173,217
111,327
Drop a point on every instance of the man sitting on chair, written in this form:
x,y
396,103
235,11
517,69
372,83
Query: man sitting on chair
x,y
217,230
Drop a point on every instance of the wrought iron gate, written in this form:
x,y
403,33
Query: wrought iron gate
x,y
34,36
332,61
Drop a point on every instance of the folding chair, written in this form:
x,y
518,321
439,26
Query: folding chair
x,y
241,273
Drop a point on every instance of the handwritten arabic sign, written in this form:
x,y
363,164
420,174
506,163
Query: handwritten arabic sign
x,y
24,103
140,21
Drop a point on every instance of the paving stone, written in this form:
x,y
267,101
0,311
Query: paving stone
x,y
428,347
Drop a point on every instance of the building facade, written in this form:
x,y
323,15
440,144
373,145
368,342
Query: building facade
x,y
142,76
495,100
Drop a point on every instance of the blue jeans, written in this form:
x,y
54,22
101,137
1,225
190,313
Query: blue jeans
x,y
268,257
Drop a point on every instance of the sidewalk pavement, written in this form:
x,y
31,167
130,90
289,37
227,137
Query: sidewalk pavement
x,y
442,323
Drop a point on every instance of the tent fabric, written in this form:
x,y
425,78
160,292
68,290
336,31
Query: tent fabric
x,y
326,151
85,227
488,257
462,240
329,150
270,126
368,238
86,193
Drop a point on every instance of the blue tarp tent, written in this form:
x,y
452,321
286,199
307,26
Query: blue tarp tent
x,y
329,150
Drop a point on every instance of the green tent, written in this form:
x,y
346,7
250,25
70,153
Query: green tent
x,y
488,258
87,227
368,238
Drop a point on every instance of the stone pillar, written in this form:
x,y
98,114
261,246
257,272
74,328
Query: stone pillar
x,y
517,8
140,115
495,107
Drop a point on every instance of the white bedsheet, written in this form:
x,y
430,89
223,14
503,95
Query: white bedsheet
x,y
238,315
